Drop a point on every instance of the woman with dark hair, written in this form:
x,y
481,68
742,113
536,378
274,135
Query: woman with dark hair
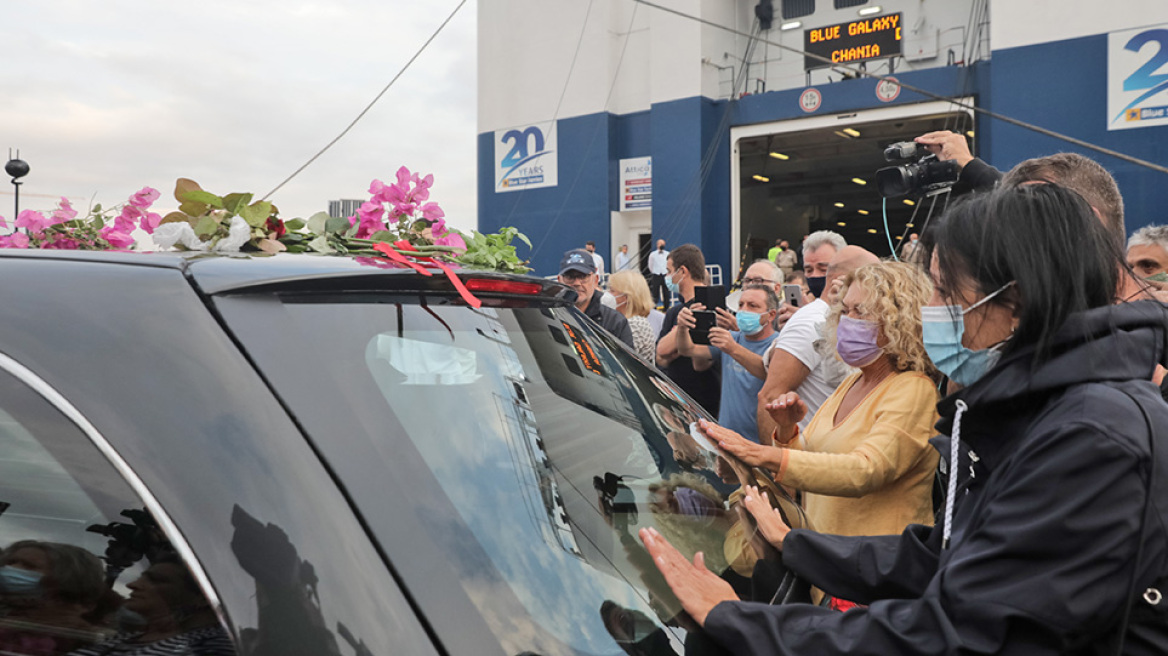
x,y
47,590
1053,538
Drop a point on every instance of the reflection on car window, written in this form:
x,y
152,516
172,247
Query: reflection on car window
x,y
555,446
84,569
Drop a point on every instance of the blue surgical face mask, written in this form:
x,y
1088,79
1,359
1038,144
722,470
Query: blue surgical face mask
x,y
17,582
749,323
671,285
942,328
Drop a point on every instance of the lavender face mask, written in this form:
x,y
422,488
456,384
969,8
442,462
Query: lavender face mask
x,y
855,341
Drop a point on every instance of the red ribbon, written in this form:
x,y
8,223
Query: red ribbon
x,y
397,256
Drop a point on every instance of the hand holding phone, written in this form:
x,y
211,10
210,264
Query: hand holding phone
x,y
704,320
793,295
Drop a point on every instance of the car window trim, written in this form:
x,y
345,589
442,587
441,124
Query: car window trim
x,y
165,523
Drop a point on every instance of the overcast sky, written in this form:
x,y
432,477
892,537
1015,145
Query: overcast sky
x,y
103,98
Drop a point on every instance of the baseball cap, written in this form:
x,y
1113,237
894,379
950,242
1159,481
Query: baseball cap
x,y
578,260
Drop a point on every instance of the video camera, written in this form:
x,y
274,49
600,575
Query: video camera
x,y
922,174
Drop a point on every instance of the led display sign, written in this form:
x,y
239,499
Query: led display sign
x,y
854,41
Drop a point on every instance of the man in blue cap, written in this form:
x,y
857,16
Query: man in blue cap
x,y
578,271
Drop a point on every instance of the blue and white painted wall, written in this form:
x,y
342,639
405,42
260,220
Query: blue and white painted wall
x,y
612,80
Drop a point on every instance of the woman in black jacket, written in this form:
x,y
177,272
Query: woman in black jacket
x,y
1053,539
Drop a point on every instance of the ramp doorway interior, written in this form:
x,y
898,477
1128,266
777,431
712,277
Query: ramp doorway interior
x,y
819,174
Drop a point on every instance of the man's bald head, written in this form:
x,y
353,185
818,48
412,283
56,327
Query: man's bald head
x,y
847,260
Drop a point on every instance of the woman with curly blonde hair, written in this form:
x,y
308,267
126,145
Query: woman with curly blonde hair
x,y
864,464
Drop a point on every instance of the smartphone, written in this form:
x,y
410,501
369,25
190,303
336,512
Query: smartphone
x,y
705,319
793,294
711,296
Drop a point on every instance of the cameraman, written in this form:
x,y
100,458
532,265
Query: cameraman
x,y
976,175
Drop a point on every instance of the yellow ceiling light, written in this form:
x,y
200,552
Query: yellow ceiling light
x,y
864,212
872,230
761,178
839,204
908,225
780,156
969,134
899,237
860,181
906,202
841,224
851,132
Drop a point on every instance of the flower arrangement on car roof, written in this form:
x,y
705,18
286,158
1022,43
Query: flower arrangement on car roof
x,y
399,222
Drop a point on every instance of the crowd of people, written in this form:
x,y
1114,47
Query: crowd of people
x,y
969,426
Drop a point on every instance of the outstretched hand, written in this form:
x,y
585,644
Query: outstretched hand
x,y
767,517
750,453
697,588
787,410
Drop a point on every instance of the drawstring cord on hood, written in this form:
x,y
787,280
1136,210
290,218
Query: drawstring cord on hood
x,y
951,495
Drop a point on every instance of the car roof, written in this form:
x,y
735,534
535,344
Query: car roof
x,y
232,273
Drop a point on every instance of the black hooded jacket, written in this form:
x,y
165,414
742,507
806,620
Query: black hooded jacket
x,y
1049,521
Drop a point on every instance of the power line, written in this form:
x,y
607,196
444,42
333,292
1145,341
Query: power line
x,y
860,72
370,105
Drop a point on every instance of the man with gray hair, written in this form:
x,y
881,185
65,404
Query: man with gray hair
x,y
818,249
1147,251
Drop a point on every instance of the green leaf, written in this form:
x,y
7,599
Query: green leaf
x,y
206,227
205,197
522,237
192,208
383,235
352,231
336,225
295,225
257,213
317,221
321,245
235,203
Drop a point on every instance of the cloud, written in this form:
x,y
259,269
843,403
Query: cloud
x,y
239,95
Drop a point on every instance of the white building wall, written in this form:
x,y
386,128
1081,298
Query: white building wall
x,y
1028,22
632,55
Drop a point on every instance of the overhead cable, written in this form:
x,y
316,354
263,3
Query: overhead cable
x,y
860,72
370,105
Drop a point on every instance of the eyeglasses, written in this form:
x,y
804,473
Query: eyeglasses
x,y
757,281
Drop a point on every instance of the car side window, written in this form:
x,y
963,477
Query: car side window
x,y
84,567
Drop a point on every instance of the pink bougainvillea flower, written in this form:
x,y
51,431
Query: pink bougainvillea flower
x,y
117,238
422,186
129,218
3,222
33,221
438,227
370,214
64,211
15,240
452,239
431,212
151,220
144,198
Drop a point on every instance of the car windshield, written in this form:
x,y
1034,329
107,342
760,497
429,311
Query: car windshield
x,y
533,446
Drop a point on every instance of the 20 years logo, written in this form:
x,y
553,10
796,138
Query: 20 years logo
x,y
525,158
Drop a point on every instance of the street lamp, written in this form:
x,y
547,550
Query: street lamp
x,y
17,168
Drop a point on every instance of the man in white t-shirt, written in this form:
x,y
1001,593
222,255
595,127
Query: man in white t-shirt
x,y
799,359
